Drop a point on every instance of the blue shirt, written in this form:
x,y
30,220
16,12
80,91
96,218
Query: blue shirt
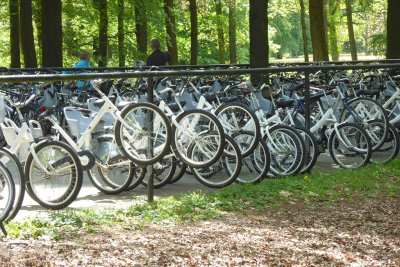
x,y
81,64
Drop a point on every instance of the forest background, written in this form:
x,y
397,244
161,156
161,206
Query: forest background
x,y
203,32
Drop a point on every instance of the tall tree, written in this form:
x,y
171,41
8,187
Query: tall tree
x,y
141,27
232,31
14,34
304,30
352,40
220,32
333,8
26,34
318,33
51,33
194,32
259,47
171,31
393,37
103,35
121,34
37,20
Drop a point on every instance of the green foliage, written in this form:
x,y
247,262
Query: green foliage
x,y
373,180
80,29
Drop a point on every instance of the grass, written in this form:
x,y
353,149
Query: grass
x,y
368,182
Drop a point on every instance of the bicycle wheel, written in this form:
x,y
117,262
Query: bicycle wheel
x,y
7,192
311,146
58,184
163,171
287,150
223,172
138,177
352,148
237,118
113,172
134,142
362,111
112,179
181,169
201,131
12,163
389,149
255,167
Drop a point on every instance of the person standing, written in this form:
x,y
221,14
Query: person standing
x,y
82,64
157,58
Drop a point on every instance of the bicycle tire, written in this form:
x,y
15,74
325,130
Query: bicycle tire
x,y
138,153
389,149
181,169
260,160
198,131
228,113
368,106
7,192
13,164
360,145
65,196
138,177
229,164
108,185
287,148
163,172
312,151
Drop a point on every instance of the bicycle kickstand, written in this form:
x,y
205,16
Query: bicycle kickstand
x,y
2,228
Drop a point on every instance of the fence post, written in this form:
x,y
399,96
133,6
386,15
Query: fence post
x,y
150,182
307,98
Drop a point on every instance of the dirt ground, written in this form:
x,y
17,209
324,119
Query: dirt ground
x,y
298,233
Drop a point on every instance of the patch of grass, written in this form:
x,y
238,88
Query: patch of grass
x,y
368,182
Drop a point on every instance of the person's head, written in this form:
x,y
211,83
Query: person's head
x,y
85,55
155,44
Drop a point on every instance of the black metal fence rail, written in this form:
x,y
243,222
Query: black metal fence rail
x,y
56,70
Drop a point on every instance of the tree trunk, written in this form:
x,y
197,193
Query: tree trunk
x,y
121,34
220,32
259,47
352,40
333,39
103,36
325,13
68,31
141,28
304,31
14,34
171,29
37,19
194,32
26,34
393,22
232,32
318,33
51,33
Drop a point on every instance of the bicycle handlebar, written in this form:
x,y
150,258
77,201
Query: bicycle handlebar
x,y
20,104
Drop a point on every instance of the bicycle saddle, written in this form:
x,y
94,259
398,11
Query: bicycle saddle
x,y
366,92
48,112
228,99
283,103
209,97
175,107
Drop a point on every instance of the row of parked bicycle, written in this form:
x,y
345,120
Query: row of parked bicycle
x,y
218,129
